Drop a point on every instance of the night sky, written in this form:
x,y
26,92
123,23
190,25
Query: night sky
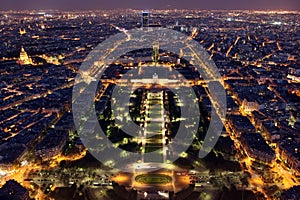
x,y
150,4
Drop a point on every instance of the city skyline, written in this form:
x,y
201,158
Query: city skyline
x,y
149,104
289,5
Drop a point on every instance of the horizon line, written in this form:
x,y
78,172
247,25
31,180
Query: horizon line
x,y
137,9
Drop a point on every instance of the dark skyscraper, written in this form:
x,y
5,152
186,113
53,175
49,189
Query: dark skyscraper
x,y
145,18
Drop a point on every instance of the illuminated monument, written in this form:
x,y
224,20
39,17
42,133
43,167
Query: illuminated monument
x,y
155,53
22,31
24,58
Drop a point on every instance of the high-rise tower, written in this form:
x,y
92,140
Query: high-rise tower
x,y
145,18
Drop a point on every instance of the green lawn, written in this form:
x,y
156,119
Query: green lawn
x,y
153,179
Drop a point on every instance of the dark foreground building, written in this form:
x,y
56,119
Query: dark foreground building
x,y
12,190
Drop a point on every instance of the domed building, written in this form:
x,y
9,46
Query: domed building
x,y
24,59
